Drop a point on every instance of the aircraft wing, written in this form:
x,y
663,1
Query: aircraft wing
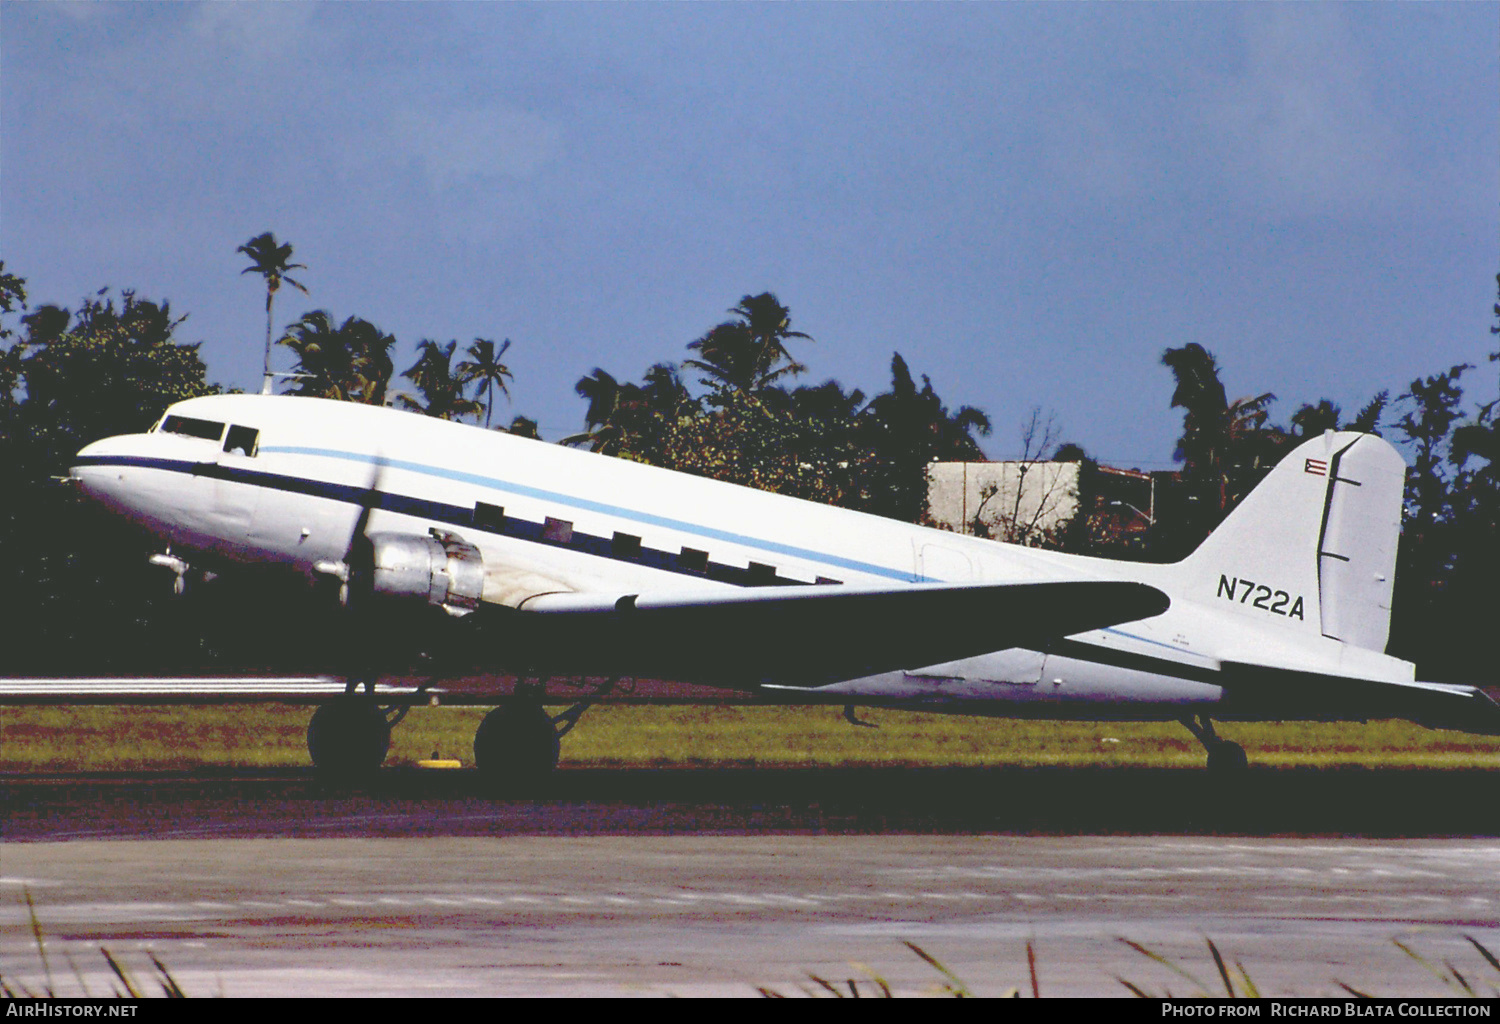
x,y
1258,690
809,635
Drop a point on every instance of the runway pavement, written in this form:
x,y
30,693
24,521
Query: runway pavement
x,y
678,884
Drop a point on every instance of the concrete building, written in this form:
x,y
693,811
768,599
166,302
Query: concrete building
x,y
1039,503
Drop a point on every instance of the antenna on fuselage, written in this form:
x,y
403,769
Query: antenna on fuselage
x,y
271,375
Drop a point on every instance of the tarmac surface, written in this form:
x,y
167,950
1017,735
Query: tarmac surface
x,y
687,883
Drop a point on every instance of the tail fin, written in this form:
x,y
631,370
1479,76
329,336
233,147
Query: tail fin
x,y
1313,547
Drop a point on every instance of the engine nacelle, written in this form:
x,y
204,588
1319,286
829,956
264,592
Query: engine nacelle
x,y
440,569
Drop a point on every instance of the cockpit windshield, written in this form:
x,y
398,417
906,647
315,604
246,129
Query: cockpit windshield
x,y
208,430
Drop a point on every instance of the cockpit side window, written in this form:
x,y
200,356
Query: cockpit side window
x,y
190,427
242,440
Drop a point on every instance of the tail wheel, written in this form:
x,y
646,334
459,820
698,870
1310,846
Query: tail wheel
x,y
348,737
1227,759
516,743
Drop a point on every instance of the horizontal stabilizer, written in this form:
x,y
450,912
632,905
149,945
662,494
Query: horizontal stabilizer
x,y
1260,692
810,635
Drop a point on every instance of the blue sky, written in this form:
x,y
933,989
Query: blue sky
x,y
1028,201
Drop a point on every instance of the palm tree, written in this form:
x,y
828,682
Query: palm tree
x,y
484,366
350,362
664,394
271,261
749,354
602,431
439,384
769,323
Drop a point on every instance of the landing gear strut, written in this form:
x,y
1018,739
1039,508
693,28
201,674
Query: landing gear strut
x,y
1225,759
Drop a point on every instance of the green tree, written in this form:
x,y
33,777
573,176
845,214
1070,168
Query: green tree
x,y
828,402
350,362
1432,408
632,420
1311,420
1367,420
271,261
744,441
908,428
103,370
524,426
484,367
1226,447
110,368
12,297
439,383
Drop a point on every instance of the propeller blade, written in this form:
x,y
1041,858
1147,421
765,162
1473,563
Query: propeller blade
x,y
360,658
359,553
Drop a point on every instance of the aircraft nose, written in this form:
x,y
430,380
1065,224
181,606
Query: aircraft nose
x,y
93,473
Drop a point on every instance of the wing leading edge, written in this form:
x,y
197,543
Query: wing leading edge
x,y
812,635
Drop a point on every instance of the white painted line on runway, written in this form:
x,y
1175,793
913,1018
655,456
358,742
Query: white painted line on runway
x,y
738,898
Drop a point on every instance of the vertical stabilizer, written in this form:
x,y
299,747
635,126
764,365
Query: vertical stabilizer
x,y
1312,548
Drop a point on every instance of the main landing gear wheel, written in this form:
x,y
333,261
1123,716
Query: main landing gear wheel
x,y
348,737
516,744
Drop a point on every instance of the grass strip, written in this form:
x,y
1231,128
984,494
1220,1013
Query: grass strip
x,y
74,739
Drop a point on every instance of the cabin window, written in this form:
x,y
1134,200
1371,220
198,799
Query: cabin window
x,y
625,546
761,575
693,560
190,427
242,440
489,517
558,531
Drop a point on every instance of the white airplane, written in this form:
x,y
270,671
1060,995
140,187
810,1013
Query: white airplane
x,y
555,561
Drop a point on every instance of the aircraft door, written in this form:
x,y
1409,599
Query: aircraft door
x,y
236,498
944,564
